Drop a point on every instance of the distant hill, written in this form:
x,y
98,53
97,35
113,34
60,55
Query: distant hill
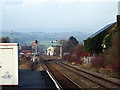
x,y
22,37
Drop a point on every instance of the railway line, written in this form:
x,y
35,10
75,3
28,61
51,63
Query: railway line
x,y
79,77
63,81
102,82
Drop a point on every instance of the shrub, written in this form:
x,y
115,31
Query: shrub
x,y
67,57
98,61
115,65
79,61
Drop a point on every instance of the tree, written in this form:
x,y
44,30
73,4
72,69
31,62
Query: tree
x,y
68,45
72,43
77,53
4,40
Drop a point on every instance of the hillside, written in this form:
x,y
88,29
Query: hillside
x,y
42,36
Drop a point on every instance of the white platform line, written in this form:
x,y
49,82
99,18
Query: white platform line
x,y
56,84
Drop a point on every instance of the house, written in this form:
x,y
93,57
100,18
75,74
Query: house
x,y
50,51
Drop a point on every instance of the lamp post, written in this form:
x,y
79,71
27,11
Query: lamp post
x,y
104,46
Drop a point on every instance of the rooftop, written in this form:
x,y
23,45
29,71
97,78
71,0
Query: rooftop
x,y
103,29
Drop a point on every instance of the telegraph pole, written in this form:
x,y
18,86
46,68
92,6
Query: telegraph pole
x,y
61,51
11,35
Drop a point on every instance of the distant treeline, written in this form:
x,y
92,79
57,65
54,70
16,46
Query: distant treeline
x,y
23,37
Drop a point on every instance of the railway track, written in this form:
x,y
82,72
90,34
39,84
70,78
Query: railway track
x,y
102,82
63,80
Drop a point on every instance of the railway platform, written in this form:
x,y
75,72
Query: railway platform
x,y
34,79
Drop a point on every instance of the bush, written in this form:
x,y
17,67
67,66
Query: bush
x,y
67,57
4,40
98,61
115,65
79,61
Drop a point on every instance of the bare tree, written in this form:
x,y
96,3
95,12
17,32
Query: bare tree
x,y
4,40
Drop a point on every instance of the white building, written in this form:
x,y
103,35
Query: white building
x,y
50,51
8,63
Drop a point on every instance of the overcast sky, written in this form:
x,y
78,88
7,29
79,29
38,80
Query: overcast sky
x,y
57,15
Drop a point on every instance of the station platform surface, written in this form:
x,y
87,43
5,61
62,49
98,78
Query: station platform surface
x,y
35,79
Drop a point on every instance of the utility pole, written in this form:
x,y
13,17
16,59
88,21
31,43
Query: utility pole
x,y
61,51
60,45
11,32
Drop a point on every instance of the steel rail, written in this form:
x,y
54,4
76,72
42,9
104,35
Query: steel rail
x,y
66,77
55,81
86,77
117,84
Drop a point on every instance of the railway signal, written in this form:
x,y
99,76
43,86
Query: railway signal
x,y
35,44
59,44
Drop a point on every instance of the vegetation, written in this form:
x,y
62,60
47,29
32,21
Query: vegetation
x,y
70,44
67,45
108,38
44,38
73,51
112,54
94,44
110,58
4,40
98,61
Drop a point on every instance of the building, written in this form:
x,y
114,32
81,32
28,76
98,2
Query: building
x,y
9,64
100,40
26,49
50,51
107,27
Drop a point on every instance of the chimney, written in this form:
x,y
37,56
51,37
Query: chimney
x,y
119,8
118,20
